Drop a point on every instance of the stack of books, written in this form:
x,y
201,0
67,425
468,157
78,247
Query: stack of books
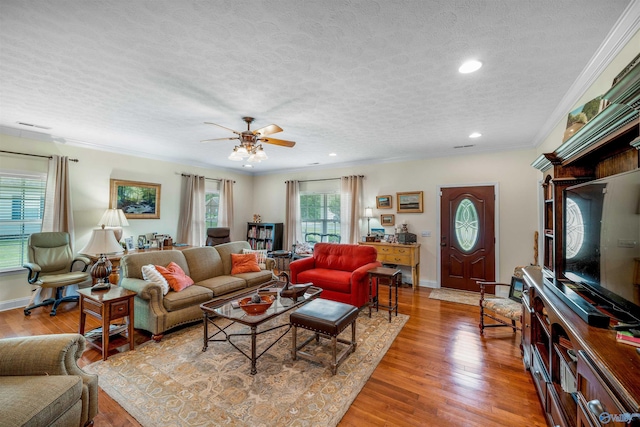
x,y
626,337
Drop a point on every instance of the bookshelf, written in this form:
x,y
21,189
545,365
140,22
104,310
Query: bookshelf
x,y
265,235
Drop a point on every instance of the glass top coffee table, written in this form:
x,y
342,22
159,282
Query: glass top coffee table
x,y
228,309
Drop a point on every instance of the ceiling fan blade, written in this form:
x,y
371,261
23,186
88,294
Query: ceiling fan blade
x,y
267,130
281,142
223,127
218,139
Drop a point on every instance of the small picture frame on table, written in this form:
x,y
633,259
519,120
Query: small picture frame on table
x,y
129,246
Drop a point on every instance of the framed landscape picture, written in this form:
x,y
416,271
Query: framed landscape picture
x,y
383,202
387,220
410,202
138,200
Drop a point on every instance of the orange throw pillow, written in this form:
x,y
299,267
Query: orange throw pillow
x,y
175,276
244,263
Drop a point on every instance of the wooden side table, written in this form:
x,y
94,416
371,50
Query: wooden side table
x,y
107,305
393,276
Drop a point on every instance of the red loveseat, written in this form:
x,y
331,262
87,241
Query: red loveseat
x,y
339,269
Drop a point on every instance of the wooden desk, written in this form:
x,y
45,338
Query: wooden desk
x,y
108,305
395,253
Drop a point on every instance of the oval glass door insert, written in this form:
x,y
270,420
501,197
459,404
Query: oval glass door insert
x,y
466,225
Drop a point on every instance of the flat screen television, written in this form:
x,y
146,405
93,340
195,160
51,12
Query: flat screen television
x,y
602,244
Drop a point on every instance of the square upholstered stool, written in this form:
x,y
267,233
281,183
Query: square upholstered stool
x,y
325,318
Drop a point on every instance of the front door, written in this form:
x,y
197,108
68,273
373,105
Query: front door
x,y
467,239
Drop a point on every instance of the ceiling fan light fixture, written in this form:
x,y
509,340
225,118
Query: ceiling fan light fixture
x,y
235,156
242,151
260,154
253,159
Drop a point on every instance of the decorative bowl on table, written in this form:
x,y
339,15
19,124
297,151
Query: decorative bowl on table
x,y
256,308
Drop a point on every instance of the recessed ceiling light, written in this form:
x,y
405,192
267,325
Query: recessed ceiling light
x,y
332,154
247,166
470,66
475,135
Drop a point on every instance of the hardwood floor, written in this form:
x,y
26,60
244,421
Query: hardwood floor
x,y
439,370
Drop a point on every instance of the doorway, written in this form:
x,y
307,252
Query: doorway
x,y
467,236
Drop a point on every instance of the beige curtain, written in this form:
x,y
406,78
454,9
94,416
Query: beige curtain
x,y
350,208
225,209
292,214
58,213
191,225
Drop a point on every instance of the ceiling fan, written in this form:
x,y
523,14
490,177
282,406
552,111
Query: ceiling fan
x,y
250,141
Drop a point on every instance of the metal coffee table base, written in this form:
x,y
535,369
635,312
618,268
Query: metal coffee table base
x,y
253,334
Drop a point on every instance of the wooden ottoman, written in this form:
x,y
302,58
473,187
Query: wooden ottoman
x,y
328,319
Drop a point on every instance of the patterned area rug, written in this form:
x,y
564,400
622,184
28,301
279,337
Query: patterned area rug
x,y
174,383
455,295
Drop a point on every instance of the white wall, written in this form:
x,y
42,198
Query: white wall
x,y
90,194
511,171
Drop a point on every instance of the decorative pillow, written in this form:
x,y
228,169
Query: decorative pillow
x,y
150,273
261,256
244,263
303,248
177,278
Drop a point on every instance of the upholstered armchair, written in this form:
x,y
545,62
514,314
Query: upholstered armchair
x,y
41,383
502,311
217,236
51,264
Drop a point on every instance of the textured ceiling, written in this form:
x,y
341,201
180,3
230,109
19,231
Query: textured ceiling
x,y
369,80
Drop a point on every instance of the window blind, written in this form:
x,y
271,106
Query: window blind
x,y
22,197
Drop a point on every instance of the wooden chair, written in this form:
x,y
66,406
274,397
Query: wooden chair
x,y
503,311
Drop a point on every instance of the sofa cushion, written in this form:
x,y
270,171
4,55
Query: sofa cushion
x,y
151,273
343,257
226,249
132,263
244,263
193,295
261,256
331,280
256,278
203,263
40,400
222,285
177,278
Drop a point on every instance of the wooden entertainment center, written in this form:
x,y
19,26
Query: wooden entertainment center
x,y
583,376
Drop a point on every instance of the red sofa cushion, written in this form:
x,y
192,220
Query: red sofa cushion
x,y
343,257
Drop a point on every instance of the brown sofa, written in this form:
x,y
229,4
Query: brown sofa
x,y
42,385
210,269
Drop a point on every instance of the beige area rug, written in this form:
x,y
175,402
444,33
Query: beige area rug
x,y
174,383
455,295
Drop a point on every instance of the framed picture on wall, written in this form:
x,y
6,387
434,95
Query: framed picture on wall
x,y
387,220
383,202
410,202
138,200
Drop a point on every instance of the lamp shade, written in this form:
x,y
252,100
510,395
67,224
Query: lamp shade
x,y
114,218
102,241
368,212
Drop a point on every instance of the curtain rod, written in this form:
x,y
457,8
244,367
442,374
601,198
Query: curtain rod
x,y
210,179
34,155
322,179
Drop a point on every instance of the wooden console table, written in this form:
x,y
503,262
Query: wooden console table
x,y
398,254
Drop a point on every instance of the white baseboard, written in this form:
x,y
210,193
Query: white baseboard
x,y
428,284
15,303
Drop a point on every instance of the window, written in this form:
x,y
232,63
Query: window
x,y
22,198
211,204
319,215
467,224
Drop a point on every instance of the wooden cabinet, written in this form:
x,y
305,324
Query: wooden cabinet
x,y
399,254
580,372
264,235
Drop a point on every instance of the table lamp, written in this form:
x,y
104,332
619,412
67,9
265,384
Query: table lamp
x,y
115,219
368,213
102,242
